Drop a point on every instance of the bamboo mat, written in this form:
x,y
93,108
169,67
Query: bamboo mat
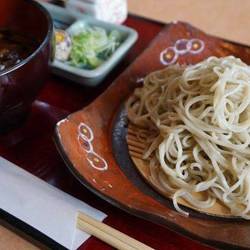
x,y
229,19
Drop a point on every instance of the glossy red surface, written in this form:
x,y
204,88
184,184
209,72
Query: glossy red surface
x,y
32,148
21,83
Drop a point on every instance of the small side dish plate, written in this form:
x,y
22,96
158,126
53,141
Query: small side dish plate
x,y
93,143
72,23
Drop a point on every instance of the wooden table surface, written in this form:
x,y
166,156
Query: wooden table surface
x,y
223,18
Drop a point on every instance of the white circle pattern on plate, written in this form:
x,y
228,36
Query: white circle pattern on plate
x,y
182,46
85,138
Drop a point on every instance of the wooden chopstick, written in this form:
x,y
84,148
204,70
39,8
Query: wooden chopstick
x,y
108,234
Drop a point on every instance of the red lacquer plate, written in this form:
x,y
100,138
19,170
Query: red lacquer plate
x,y
92,141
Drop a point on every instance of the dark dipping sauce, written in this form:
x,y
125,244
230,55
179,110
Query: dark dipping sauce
x,y
14,47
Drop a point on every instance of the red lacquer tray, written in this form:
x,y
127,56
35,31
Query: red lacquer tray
x,y
32,148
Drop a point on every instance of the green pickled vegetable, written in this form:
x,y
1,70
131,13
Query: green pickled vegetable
x,y
92,46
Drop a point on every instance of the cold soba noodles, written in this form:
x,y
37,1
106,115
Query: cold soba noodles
x,y
199,122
